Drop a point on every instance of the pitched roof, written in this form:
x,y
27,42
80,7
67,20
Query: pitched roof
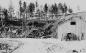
x,y
80,15
63,19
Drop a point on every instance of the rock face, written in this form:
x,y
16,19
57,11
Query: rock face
x,y
9,46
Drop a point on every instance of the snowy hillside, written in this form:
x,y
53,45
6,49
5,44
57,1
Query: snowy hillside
x,y
49,46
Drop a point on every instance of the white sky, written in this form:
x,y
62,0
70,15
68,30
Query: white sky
x,y
75,4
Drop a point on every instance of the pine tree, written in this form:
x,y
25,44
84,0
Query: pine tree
x,y
20,7
45,8
60,7
70,10
54,9
36,4
24,5
31,8
64,10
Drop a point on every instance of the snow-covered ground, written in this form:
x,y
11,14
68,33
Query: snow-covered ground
x,y
49,46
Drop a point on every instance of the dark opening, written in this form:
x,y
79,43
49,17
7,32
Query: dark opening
x,y
73,23
70,37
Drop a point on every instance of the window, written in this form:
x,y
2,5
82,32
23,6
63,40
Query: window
x,y
73,23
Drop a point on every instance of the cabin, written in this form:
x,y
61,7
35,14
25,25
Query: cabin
x,y
72,27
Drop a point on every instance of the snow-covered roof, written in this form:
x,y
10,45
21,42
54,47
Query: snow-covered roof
x,y
80,15
63,19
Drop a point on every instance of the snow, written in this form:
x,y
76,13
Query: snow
x,y
49,46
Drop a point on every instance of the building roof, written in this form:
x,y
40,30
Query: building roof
x,y
63,19
80,15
